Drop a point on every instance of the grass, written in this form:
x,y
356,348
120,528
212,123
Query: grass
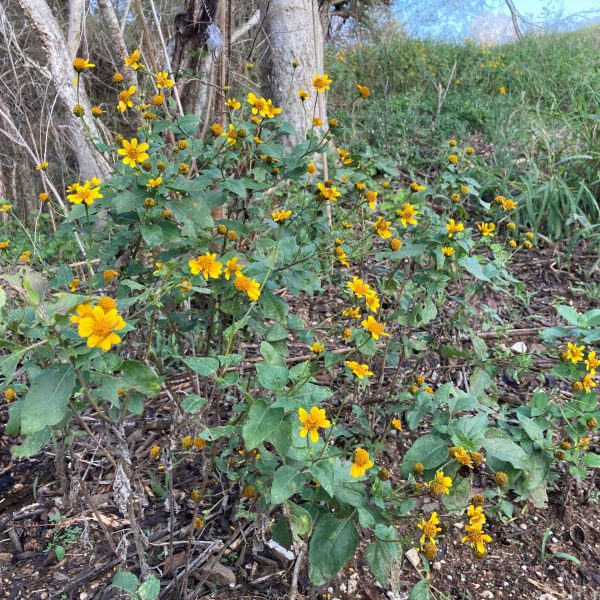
x,y
540,140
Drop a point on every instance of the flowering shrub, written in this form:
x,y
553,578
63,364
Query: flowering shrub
x,y
207,258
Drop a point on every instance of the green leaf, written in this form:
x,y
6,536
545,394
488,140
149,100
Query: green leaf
x,y
272,377
235,186
203,365
286,482
532,429
500,446
420,591
32,444
567,556
332,544
471,264
152,235
429,450
150,589
589,460
60,552
261,421
124,580
324,472
13,427
193,404
140,377
458,497
47,399
300,520
381,554
568,313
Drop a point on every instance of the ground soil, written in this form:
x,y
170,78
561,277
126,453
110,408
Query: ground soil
x,y
40,510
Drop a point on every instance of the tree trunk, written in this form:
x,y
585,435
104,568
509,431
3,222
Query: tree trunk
x,y
59,64
75,26
294,32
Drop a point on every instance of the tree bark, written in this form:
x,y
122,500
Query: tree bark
x,y
61,71
75,26
294,32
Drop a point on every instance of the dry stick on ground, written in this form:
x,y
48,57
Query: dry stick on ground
x,y
294,586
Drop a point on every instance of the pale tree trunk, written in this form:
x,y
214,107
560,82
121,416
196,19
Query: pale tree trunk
x,y
61,71
294,32
109,17
75,26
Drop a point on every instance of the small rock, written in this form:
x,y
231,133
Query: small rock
x,y
524,567
547,597
487,594
449,577
437,565
523,526
219,573
561,578
413,557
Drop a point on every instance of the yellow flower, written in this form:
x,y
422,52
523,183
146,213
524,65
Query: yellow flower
x,y
207,265
317,348
502,90
154,183
97,111
464,189
303,95
233,103
312,168
83,310
453,159
344,156
133,152
592,362
407,214
42,166
86,193
81,64
440,484
588,382
163,80
447,250
245,284
363,90
375,328
475,514
476,537
469,150
279,216
100,328
395,244
185,286
429,528
110,274
133,59
508,204
574,353
125,100
232,268
107,303
371,198
352,313
361,464
341,256
463,458
328,193
312,421
360,370
232,135
75,283
317,122
216,129
582,443
26,257
383,228
43,196
154,451
415,187
118,78
4,208
372,301
9,395
259,105
359,288
321,83
452,227
486,229
4,244
397,424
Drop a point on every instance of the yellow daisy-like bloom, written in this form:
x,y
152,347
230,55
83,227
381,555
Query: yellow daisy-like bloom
x,y
397,424
185,286
359,288
317,122
341,256
352,313
216,129
360,370
486,229
395,244
362,462
25,256
407,214
163,80
207,264
43,196
502,90
4,244
125,100
453,159
86,193
375,328
574,353
452,228
232,135
232,268
582,443
259,105
279,216
272,111
312,168
83,310
447,251
233,103
99,328
133,152
476,537
5,208
154,451
452,143
110,274
475,514
154,183
9,395
133,60
415,187
382,228
344,156
372,301
317,348
328,193
107,303
82,64
463,458
429,528
363,90
508,204
42,166
303,95
592,362
250,286
440,484
312,421
74,285
588,382
321,83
